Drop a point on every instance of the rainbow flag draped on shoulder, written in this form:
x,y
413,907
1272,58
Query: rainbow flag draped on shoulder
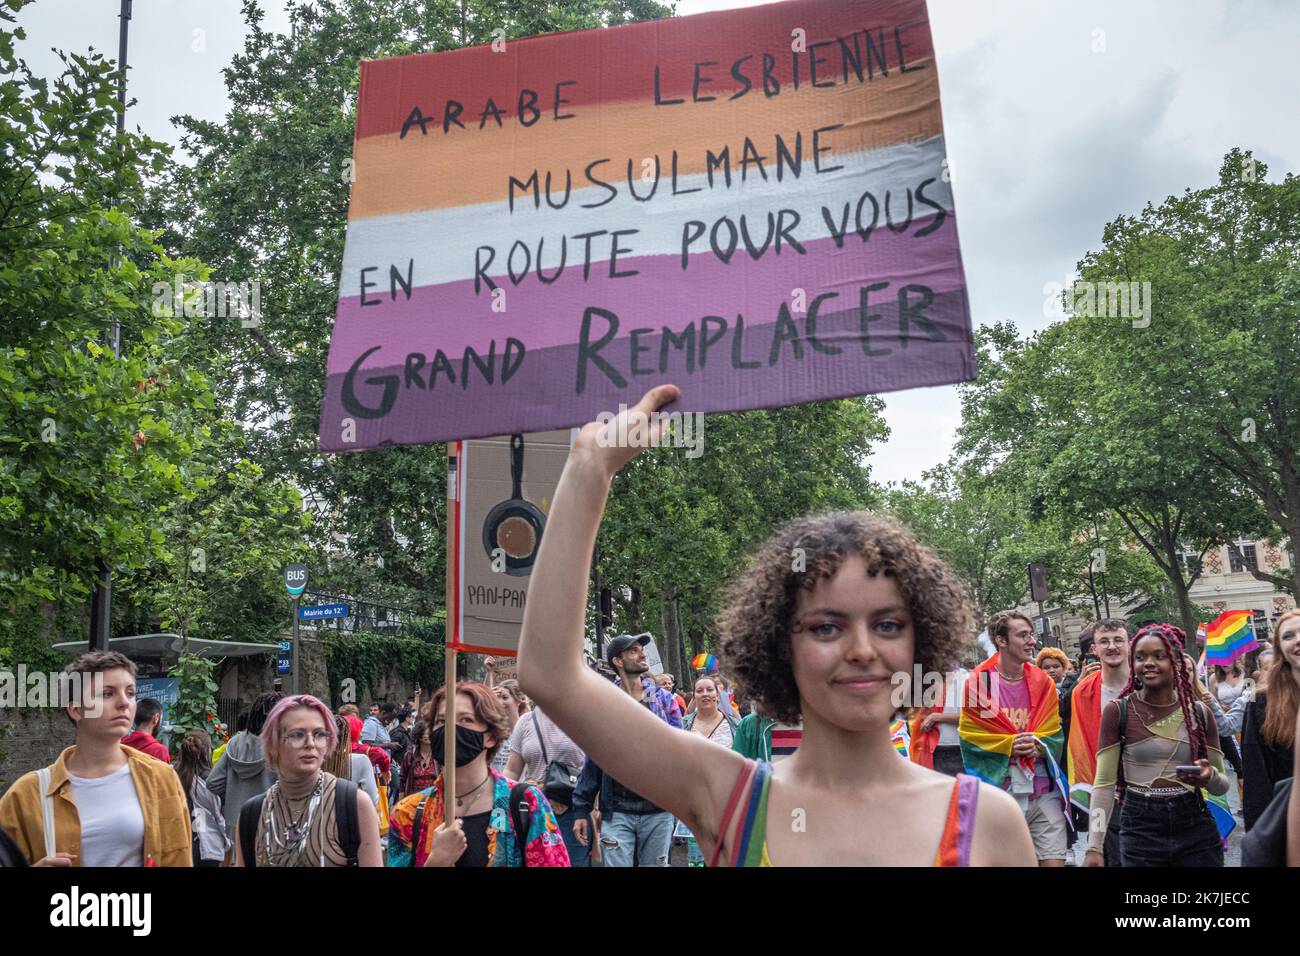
x,y
987,733
1229,635
1085,734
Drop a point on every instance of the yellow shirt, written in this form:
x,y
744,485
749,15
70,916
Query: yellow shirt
x,y
162,803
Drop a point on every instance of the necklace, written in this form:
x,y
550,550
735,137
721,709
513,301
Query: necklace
x,y
461,799
282,847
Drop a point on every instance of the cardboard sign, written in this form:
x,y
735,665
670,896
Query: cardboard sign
x,y
507,485
753,205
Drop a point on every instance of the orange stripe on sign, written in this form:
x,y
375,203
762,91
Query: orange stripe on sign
x,y
681,61
432,172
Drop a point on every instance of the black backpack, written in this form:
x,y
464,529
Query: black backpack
x,y
345,818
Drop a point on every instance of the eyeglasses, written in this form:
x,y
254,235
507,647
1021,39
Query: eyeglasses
x,y
1112,642
299,738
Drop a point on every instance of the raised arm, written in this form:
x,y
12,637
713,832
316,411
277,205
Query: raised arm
x,y
680,772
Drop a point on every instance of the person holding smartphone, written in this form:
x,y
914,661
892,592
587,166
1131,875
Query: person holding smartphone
x,y
1158,750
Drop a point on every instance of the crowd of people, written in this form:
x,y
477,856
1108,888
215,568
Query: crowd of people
x,y
792,759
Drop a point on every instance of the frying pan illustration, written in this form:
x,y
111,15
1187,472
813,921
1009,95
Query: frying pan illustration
x,y
515,526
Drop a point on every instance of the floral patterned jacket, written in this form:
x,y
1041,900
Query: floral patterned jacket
x,y
544,846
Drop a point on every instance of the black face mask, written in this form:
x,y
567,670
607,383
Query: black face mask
x,y
469,743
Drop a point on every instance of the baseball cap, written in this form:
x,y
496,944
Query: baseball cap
x,y
621,643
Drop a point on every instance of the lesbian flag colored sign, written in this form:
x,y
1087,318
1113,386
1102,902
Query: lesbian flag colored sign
x,y
1229,635
753,204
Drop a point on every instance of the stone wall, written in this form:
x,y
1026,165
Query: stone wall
x,y
257,675
30,740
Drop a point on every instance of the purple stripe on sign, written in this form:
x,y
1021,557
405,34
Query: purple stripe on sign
x,y
451,317
720,364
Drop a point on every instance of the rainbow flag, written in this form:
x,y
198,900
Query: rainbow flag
x,y
705,662
541,228
1222,813
987,732
899,737
1229,635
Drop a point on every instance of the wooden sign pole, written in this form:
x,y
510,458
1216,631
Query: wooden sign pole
x,y
451,637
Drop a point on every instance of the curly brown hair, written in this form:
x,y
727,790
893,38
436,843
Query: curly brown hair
x,y
755,623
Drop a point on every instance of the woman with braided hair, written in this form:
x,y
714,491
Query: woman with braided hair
x,y
1158,748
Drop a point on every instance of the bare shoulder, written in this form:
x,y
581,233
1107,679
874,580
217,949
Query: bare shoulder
x,y
1001,833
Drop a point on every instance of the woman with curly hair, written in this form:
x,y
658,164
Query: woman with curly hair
x,y
823,630
1157,750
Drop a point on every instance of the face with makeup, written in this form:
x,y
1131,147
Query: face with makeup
x,y
1152,664
851,634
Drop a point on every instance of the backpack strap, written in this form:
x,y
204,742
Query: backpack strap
x,y
415,827
345,819
246,828
47,809
518,811
546,761
1123,729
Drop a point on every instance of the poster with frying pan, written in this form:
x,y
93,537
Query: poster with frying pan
x,y
506,486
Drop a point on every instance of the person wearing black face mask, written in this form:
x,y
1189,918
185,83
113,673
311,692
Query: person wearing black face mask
x,y
488,827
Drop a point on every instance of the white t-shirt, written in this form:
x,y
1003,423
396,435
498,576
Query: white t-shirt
x,y
558,746
112,824
952,702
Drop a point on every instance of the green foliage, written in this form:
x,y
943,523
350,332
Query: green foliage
x,y
1187,429
267,198
128,458
677,530
364,658
196,704
22,641
89,443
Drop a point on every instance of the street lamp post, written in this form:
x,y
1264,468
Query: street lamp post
x,y
101,605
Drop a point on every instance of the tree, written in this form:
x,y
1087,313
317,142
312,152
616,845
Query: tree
x,y
982,525
677,530
1062,412
266,200
1219,362
103,456
91,443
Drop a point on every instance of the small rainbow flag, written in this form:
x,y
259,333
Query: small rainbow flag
x,y
705,662
1229,635
899,737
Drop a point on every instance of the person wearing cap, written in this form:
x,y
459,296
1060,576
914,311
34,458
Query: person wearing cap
x,y
634,831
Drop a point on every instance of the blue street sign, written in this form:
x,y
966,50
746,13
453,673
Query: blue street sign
x,y
317,612
283,665
286,646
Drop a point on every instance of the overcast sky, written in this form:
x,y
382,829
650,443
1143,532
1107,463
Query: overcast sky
x,y
1059,116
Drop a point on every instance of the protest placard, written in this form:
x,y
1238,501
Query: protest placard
x,y
752,204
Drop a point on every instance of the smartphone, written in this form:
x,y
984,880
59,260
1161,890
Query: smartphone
x,y
1091,659
1188,770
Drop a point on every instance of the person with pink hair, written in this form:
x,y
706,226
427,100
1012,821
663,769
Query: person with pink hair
x,y
309,817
